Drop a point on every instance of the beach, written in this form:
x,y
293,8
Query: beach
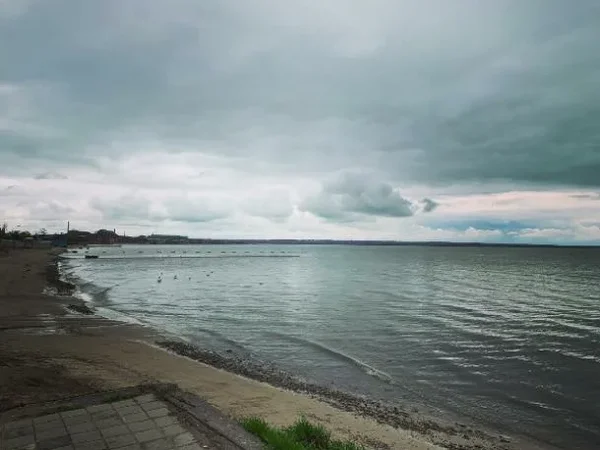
x,y
50,349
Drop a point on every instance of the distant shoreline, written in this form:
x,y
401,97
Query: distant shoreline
x,y
364,243
108,237
371,243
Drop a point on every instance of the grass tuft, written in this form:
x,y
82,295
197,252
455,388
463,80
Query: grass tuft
x,y
302,435
311,436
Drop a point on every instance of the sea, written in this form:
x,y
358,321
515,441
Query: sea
x,y
505,337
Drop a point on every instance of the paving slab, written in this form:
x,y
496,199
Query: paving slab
x,y
130,419
130,409
137,417
136,427
149,406
92,445
148,435
78,419
81,428
50,434
124,404
19,442
53,443
156,413
120,441
114,431
145,398
165,421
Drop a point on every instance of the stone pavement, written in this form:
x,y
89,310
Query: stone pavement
x,y
142,422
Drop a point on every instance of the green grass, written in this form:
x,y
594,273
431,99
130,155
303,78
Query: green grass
x,y
302,435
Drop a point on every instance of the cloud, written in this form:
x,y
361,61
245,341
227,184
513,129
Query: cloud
x,y
429,205
274,204
195,210
448,108
574,234
124,207
50,176
356,193
197,114
541,233
9,9
591,195
15,191
49,211
190,209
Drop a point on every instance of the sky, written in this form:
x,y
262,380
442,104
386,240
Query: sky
x,y
379,119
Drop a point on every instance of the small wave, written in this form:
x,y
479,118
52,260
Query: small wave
x,y
369,370
577,355
223,338
87,290
574,326
95,294
535,404
87,298
118,316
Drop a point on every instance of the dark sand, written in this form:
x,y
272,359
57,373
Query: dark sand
x,y
51,347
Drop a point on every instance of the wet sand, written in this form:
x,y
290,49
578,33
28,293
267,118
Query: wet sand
x,y
50,348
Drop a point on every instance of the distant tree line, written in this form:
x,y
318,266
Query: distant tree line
x,y
74,237
13,235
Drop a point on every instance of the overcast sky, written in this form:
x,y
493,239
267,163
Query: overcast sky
x,y
461,120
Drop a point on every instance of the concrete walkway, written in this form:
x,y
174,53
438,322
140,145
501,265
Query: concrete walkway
x,y
175,421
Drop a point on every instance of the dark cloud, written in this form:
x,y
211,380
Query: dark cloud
x,y
50,176
506,92
587,196
429,205
352,193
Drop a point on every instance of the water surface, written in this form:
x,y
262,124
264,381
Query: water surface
x,y
509,337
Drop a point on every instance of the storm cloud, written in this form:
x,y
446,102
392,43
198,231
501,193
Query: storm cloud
x,y
257,116
352,193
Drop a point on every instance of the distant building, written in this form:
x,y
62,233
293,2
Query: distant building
x,y
167,239
107,237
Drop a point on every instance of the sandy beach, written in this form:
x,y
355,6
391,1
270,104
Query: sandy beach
x,y
48,350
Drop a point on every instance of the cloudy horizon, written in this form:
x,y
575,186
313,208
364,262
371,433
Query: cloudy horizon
x,y
402,120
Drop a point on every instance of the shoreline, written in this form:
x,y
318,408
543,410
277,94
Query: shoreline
x,y
362,405
94,353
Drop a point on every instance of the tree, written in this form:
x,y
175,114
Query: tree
x,y
17,235
3,230
43,232
14,235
